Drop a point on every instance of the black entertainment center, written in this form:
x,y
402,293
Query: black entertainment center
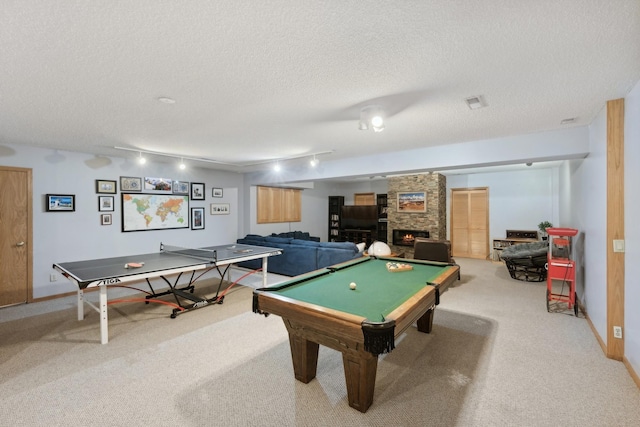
x,y
357,223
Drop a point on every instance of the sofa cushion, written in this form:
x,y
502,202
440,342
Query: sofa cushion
x,y
326,257
278,240
300,256
305,242
341,245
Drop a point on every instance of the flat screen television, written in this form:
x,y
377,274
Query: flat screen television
x,y
359,217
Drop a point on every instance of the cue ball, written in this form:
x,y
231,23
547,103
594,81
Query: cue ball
x,y
352,285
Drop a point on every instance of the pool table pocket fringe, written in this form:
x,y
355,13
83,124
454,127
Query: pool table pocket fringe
x,y
379,340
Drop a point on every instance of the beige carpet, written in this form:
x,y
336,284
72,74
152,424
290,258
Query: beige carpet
x,y
495,358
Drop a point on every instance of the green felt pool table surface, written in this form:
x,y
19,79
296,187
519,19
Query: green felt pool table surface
x,y
378,291
320,308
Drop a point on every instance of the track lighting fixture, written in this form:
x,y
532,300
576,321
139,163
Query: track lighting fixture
x,y
372,117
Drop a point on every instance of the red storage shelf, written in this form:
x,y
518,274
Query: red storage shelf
x,y
561,268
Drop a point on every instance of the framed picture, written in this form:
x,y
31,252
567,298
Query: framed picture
x,y
105,203
104,186
197,191
180,187
197,218
130,183
216,192
61,202
415,201
153,211
159,185
220,209
105,219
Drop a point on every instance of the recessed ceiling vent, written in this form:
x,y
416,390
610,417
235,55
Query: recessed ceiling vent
x,y
568,121
475,102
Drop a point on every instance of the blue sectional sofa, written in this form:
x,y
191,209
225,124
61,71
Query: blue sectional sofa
x,y
299,256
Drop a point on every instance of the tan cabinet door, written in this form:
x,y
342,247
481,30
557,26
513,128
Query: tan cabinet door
x,y
15,229
278,205
364,199
470,223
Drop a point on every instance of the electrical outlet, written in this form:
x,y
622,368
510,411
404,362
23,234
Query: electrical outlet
x,y
617,331
53,277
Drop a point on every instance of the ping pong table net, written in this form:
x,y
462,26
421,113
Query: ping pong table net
x,y
197,253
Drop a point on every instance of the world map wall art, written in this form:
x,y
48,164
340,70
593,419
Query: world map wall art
x,y
142,212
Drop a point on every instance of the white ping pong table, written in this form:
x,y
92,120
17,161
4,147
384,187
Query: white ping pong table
x,y
169,261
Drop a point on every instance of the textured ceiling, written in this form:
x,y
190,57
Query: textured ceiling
x,y
256,81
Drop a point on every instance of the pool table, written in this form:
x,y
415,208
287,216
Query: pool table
x,y
321,308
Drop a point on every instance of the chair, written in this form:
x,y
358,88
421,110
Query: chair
x,y
527,261
433,250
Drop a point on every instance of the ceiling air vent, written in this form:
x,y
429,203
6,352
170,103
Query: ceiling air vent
x,y
568,121
475,102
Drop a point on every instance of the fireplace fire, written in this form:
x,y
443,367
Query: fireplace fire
x,y
407,237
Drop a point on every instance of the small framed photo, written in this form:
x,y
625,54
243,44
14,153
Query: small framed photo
x,y
159,185
415,201
197,191
105,219
216,192
105,203
61,202
104,186
130,183
180,187
220,209
197,218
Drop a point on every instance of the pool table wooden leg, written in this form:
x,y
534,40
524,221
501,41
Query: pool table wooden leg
x,y
304,354
425,323
360,374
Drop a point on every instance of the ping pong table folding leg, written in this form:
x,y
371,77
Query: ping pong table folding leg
x,y
80,304
104,319
264,272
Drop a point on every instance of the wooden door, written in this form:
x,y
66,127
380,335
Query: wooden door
x,y
15,231
470,222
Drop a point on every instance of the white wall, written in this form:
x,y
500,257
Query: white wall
x,y
588,196
314,214
518,200
72,236
315,206
562,144
632,228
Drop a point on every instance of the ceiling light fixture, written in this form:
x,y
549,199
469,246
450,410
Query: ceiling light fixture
x,y
276,167
372,117
182,166
176,156
314,162
141,159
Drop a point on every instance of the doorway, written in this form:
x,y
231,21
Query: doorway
x,y
470,222
16,251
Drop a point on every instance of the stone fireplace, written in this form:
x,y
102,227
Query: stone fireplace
x,y
407,237
432,222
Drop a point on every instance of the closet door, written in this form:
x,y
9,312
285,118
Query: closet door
x,y
16,247
470,222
